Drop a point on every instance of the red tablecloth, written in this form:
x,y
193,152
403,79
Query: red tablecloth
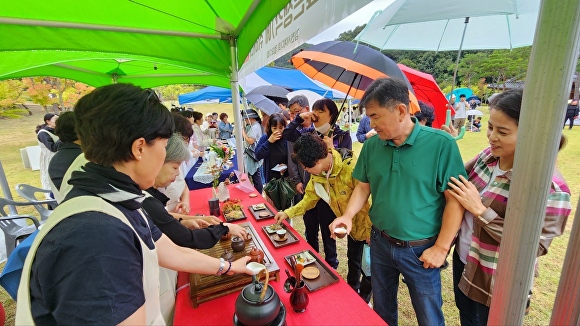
x,y
336,304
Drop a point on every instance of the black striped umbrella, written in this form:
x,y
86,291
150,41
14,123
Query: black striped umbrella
x,y
348,67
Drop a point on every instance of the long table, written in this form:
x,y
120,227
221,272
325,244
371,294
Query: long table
x,y
336,304
194,185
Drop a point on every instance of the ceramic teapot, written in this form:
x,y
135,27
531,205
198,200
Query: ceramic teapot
x,y
258,303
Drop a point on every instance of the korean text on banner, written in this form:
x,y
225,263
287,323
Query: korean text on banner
x,y
298,22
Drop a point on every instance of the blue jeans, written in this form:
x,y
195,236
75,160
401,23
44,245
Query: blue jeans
x,y
471,312
387,262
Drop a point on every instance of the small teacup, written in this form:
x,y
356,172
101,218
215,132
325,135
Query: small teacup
x,y
281,233
340,232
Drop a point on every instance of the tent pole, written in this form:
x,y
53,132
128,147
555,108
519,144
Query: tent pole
x,y
552,61
236,103
448,121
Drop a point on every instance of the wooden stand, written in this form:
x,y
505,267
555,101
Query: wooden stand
x,y
204,288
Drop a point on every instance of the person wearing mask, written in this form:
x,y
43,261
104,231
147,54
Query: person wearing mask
x,y
324,116
297,176
252,134
48,143
485,195
100,243
411,234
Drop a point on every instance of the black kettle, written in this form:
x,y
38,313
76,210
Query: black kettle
x,y
258,303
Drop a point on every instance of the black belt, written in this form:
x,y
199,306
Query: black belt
x,y
405,243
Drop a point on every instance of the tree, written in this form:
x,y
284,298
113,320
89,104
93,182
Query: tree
x,y
469,65
73,93
171,92
350,34
38,90
10,92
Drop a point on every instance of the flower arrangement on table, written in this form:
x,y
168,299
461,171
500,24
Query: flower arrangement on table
x,y
224,153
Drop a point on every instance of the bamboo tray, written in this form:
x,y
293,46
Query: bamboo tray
x,y
204,288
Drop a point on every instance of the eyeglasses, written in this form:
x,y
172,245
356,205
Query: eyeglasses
x,y
151,95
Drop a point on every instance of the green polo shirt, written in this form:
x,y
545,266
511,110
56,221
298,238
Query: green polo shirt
x,y
407,182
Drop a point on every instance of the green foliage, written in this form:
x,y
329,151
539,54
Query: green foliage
x,y
469,67
170,92
284,61
350,34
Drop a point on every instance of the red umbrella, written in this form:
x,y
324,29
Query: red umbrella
x,y
427,90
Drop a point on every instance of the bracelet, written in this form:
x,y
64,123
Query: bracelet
x,y
230,267
222,265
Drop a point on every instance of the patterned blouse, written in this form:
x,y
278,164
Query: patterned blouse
x,y
477,279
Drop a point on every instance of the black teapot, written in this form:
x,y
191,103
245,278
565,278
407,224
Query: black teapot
x,y
258,303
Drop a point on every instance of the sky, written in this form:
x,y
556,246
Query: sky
x,y
359,17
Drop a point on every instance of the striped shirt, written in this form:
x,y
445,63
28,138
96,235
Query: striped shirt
x,y
477,278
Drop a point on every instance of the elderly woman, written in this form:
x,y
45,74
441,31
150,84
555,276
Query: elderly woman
x,y
97,260
177,230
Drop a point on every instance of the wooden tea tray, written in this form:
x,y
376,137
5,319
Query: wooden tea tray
x,y
326,278
257,213
291,238
204,288
244,216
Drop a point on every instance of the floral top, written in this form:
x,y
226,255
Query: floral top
x,y
477,279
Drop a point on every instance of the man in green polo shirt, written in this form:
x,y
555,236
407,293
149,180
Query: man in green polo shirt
x,y
406,168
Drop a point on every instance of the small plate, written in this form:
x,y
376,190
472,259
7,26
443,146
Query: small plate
x,y
259,207
304,258
273,228
310,272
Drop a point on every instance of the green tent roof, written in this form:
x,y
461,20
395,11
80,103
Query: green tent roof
x,y
147,43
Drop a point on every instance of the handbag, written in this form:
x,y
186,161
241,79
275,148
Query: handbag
x,y
280,192
251,154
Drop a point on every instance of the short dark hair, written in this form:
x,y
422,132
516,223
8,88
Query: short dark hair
x,y
65,127
182,126
426,113
275,119
112,117
187,114
327,104
197,115
387,92
462,95
309,149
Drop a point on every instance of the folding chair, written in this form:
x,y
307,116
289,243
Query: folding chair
x,y
43,206
14,233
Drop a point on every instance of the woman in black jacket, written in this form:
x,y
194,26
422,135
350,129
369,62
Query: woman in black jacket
x,y
323,116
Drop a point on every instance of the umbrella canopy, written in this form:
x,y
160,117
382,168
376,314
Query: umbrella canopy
x,y
427,90
270,91
473,112
263,103
47,38
310,95
347,67
207,94
288,78
428,25
461,91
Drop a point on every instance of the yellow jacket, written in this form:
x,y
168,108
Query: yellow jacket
x,y
341,187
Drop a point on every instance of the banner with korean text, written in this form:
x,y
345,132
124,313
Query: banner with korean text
x,y
298,22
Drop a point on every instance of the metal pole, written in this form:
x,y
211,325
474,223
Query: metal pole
x,y
550,69
236,102
459,54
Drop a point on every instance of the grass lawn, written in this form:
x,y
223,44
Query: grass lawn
x,y
16,134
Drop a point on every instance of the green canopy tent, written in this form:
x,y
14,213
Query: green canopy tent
x,y
195,41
